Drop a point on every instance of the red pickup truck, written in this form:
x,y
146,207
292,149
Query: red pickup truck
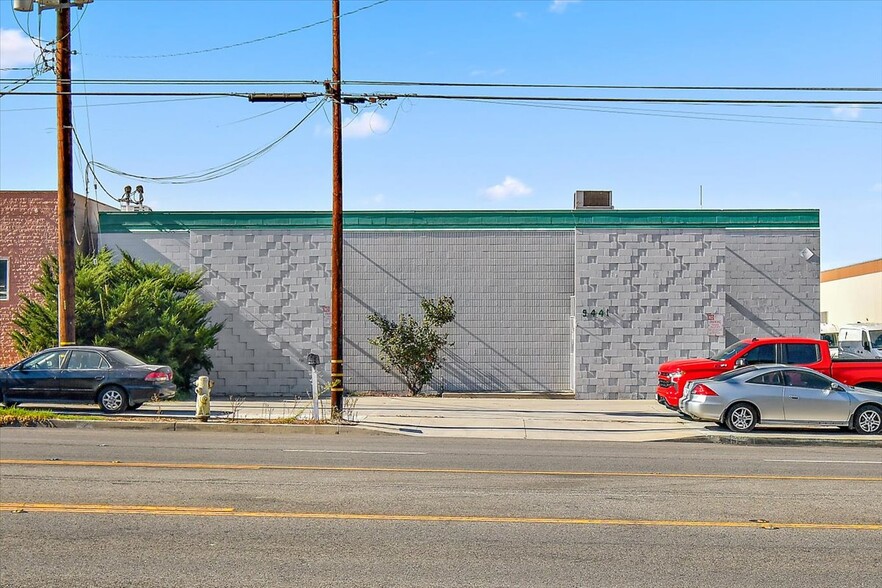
x,y
811,353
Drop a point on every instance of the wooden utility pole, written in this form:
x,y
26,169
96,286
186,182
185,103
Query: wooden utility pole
x,y
66,250
337,226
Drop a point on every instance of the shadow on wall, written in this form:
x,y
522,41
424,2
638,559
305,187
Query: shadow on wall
x,y
251,358
764,327
770,314
774,282
522,357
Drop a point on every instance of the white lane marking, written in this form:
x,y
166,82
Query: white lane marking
x,y
355,451
824,461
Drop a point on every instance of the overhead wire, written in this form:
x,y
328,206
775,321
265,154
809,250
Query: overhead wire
x,y
11,89
218,171
90,165
257,82
243,43
206,82
614,87
477,97
713,116
241,120
127,103
88,222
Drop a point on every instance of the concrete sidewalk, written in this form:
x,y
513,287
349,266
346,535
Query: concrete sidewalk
x,y
497,418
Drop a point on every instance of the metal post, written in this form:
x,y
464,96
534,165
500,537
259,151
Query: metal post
x,y
66,250
337,228
316,411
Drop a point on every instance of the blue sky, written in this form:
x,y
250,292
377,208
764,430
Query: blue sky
x,y
433,154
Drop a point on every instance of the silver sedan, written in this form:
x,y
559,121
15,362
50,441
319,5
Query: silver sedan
x,y
781,395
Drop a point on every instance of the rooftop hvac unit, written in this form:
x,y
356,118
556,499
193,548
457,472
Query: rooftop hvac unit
x,y
593,199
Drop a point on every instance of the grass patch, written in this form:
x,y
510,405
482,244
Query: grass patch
x,y
23,417
26,417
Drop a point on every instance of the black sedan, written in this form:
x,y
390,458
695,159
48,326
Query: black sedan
x,y
105,376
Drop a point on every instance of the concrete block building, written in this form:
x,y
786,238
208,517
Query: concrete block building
x,y
589,301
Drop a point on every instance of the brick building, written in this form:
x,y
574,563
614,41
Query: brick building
x,y
29,233
585,300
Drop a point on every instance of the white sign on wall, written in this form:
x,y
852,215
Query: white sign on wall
x,y
714,324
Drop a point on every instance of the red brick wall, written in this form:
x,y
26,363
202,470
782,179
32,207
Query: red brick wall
x,y
28,233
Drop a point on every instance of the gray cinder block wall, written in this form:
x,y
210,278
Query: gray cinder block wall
x,y
511,292
528,302
772,291
658,287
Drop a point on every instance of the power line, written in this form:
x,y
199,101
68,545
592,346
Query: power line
x,y
127,103
631,100
89,165
191,82
711,116
141,94
616,87
259,82
11,88
218,171
243,43
354,98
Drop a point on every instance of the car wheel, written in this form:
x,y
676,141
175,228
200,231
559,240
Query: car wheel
x,y
742,418
868,420
113,399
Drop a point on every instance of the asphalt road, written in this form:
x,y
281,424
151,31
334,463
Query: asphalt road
x,y
138,508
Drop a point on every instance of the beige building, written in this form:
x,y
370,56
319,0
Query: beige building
x,y
852,294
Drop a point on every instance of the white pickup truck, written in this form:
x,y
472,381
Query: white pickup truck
x,y
861,340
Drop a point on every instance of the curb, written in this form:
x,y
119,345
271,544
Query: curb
x,y
369,429
747,439
216,427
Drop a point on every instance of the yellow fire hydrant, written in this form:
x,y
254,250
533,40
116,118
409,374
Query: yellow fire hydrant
x,y
203,397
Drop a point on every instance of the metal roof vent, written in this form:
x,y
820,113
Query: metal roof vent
x,y
593,199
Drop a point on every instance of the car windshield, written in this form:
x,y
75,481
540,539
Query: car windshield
x,y
734,373
729,351
876,339
123,358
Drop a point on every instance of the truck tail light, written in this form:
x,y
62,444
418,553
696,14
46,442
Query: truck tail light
x,y
702,390
158,376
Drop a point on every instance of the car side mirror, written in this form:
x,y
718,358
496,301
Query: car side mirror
x,y
835,388
740,362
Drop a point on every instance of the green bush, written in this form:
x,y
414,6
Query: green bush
x,y
410,348
150,310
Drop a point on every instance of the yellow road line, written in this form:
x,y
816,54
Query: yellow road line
x,y
230,512
269,467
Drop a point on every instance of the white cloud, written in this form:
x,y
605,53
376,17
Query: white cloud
x,y
560,6
16,49
509,188
487,73
850,112
366,124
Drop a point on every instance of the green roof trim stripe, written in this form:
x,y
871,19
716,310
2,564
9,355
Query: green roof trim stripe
x,y
128,222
